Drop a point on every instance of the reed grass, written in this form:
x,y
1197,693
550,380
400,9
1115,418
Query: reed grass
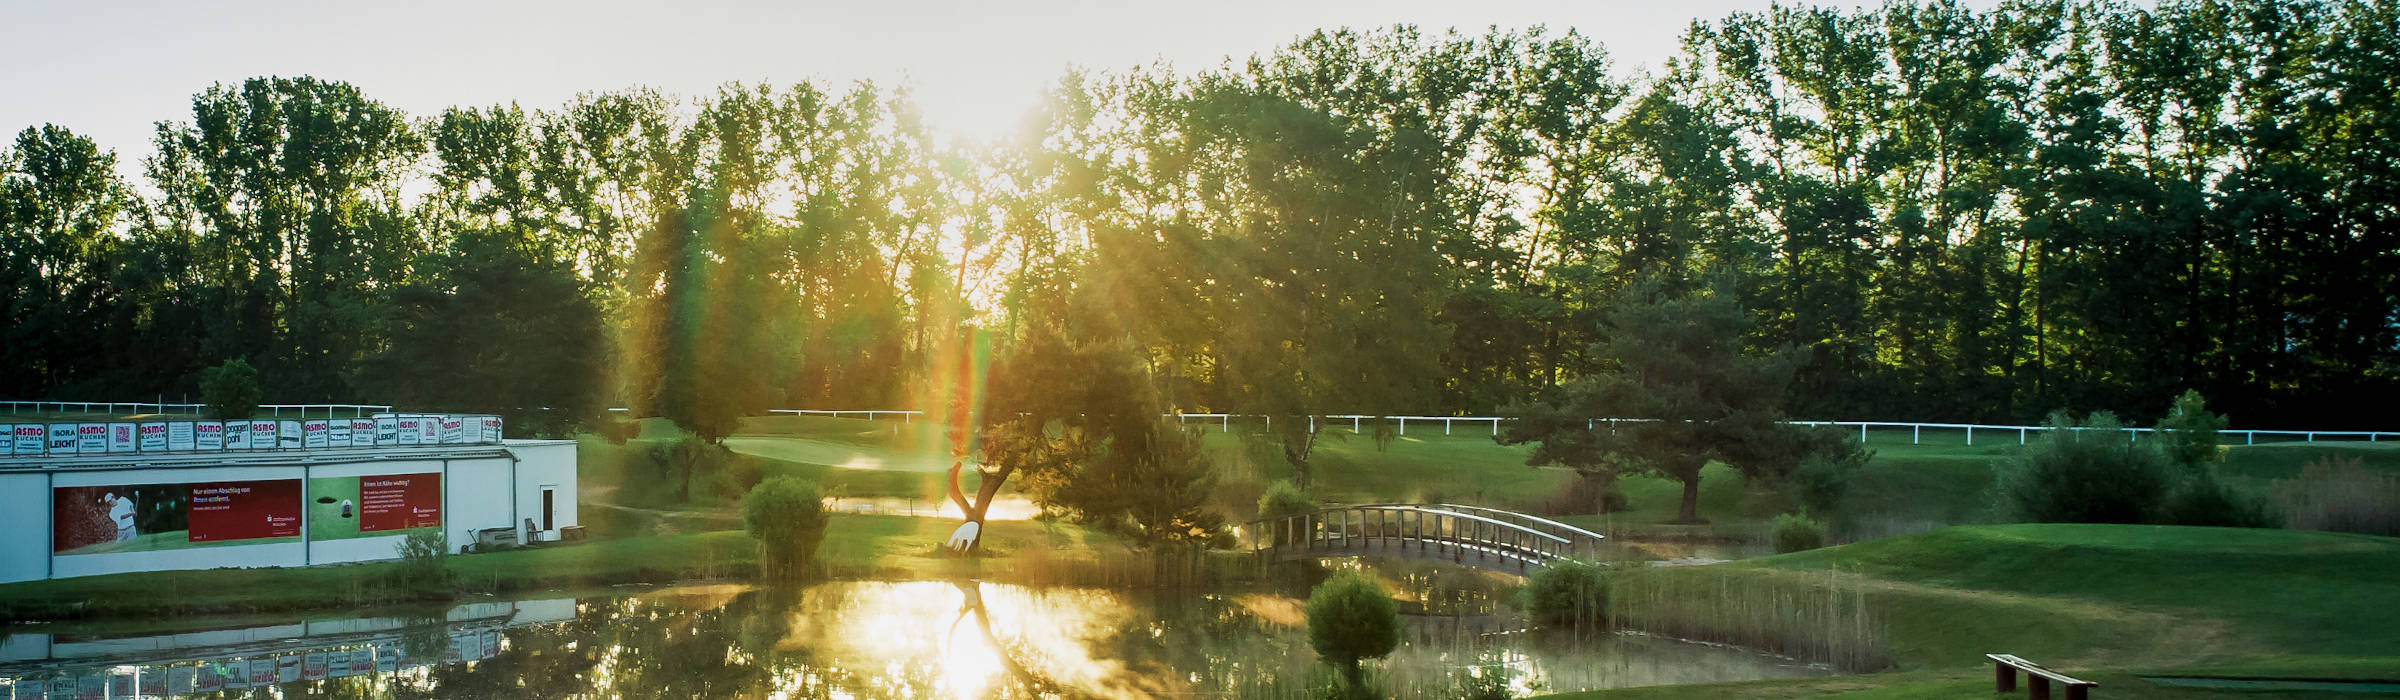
x,y
1818,617
2340,494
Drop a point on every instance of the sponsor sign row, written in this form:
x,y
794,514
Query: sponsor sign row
x,y
399,430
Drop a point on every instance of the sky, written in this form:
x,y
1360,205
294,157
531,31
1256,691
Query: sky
x,y
110,70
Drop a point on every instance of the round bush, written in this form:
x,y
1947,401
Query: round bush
x,y
1568,593
2085,473
1795,532
1350,620
788,518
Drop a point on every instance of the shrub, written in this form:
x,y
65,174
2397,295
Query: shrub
x,y
1832,459
2207,500
421,559
230,389
615,431
788,519
1351,620
737,477
1796,532
1568,593
2341,495
2087,472
1284,499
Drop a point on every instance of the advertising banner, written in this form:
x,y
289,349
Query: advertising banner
x,y
154,437
31,438
180,679
179,436
149,517
289,435
120,684
8,438
91,438
312,667
208,678
237,435
362,432
337,664
287,668
208,436
432,425
313,435
491,429
154,681
62,439
337,433
410,434
262,671
262,434
387,660
121,437
362,661
347,507
454,429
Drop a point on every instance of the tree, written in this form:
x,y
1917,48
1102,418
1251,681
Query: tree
x,y
494,328
2188,432
230,389
1350,620
1675,367
787,517
2085,472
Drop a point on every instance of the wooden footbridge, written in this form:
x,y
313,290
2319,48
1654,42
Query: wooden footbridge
x,y
1484,538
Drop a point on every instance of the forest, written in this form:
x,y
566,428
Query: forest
x,y
1943,213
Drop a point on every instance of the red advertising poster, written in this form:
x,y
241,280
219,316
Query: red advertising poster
x,y
399,502
243,510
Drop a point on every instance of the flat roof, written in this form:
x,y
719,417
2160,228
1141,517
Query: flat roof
x,y
264,458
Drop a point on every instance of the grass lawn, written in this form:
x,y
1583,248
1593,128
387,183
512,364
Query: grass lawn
x,y
2104,602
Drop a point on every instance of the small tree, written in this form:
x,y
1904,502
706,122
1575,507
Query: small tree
x,y
422,553
1351,620
230,389
787,517
2188,433
1795,532
684,458
1677,363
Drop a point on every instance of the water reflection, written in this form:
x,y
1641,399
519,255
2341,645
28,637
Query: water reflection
x,y
857,640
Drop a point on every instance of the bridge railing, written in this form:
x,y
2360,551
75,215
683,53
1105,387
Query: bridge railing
x,y
1431,530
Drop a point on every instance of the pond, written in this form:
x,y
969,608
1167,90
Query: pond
x,y
858,640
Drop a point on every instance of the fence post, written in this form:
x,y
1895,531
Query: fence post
x,y
1862,433
1970,436
1496,429
1445,425
1916,434
1225,422
1403,424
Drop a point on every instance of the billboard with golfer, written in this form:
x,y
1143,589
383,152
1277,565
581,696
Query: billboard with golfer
x,y
373,506
147,517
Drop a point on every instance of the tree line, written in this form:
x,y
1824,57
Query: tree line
x,y
1939,213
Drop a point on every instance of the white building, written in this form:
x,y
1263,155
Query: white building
x,y
66,510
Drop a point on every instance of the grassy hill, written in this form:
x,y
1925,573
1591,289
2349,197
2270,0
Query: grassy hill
x,y
2107,602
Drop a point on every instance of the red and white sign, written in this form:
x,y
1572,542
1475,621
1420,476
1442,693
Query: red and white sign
x,y
399,502
245,510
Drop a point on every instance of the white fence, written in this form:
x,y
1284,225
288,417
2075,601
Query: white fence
x,y
298,410
1450,424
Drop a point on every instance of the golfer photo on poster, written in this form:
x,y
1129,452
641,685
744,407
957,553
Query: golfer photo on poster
x,y
148,517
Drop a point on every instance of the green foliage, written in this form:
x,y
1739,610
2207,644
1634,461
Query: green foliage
x,y
2085,472
1282,498
1351,620
687,458
2205,499
423,556
1568,592
2188,434
231,389
496,328
787,517
2336,494
1674,362
1795,532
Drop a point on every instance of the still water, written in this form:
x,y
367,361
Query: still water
x,y
853,640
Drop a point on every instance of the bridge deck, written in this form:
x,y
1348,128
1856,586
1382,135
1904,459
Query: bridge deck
x,y
1485,538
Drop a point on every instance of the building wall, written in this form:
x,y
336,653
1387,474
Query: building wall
x,y
477,492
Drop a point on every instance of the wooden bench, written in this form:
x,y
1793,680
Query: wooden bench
x,y
2004,678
